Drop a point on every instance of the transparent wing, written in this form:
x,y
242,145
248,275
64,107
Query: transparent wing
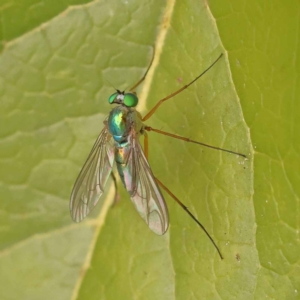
x,y
91,180
144,191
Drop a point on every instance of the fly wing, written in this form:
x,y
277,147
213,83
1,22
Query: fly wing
x,y
91,180
144,191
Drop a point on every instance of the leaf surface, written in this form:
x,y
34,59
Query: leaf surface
x,y
57,65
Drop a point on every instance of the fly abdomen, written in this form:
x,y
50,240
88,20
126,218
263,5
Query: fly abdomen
x,y
122,155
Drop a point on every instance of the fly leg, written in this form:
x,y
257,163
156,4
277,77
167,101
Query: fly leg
x,y
146,152
132,89
116,197
148,128
190,214
153,110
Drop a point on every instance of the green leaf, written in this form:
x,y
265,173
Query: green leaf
x,y
20,17
54,86
264,58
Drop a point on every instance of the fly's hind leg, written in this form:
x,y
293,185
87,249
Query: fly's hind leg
x,y
190,214
117,196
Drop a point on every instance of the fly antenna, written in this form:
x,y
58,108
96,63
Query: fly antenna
x,y
110,83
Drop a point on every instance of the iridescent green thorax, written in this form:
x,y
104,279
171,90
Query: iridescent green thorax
x,y
120,122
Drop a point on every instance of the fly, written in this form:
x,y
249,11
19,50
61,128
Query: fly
x,y
119,143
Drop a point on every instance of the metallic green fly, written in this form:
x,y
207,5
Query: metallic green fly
x,y
119,143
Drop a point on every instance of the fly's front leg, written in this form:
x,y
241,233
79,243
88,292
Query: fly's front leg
x,y
132,89
160,102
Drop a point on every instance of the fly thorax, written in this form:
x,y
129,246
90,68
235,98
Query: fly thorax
x,y
119,123
123,122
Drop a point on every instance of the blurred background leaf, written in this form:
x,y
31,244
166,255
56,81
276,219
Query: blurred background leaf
x,y
55,65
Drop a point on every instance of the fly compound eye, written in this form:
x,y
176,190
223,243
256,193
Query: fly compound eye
x,y
130,100
112,98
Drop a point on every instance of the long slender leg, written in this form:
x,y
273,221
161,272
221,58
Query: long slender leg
x,y
116,187
146,152
152,111
143,78
148,128
190,214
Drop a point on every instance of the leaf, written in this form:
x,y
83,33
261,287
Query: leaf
x,y
20,17
53,102
129,261
264,58
54,89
